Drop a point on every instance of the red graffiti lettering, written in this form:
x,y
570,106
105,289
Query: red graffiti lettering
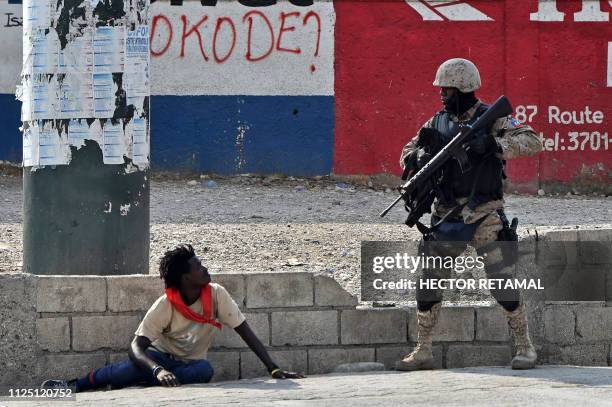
x,y
316,16
226,32
153,28
248,16
220,21
283,29
192,30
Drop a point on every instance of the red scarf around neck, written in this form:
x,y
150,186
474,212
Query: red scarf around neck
x,y
174,296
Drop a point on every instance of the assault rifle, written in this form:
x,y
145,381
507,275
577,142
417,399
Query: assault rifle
x,y
419,191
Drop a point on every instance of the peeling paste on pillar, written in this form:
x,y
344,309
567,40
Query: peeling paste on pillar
x,y
85,77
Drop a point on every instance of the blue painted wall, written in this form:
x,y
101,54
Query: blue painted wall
x,y
282,134
10,121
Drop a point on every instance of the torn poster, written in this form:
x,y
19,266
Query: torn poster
x,y
42,97
53,148
136,85
109,49
77,56
75,96
113,143
36,14
78,132
40,52
140,142
136,76
137,49
30,145
104,95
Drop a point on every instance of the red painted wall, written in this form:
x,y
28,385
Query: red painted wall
x,y
387,56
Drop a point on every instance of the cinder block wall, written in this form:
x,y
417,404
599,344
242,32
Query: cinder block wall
x,y
64,326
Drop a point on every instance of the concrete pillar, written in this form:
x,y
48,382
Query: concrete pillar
x,y
85,113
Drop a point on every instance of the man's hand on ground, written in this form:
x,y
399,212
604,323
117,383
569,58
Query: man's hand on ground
x,y
167,379
281,374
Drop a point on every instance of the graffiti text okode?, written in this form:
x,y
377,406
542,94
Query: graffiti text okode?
x,y
217,37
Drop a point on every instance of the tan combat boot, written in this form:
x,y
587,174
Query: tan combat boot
x,y
421,357
526,355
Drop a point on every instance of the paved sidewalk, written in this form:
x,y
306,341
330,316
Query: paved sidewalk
x,y
557,386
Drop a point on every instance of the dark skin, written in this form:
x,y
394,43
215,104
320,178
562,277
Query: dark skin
x,y
446,95
190,287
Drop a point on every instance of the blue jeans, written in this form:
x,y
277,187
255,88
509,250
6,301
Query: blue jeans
x,y
126,373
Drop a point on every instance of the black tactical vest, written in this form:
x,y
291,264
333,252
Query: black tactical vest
x,y
485,174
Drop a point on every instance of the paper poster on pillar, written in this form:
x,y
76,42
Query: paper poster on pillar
x,y
114,142
80,74
109,49
53,147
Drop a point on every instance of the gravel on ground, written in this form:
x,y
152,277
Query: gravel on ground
x,y
260,224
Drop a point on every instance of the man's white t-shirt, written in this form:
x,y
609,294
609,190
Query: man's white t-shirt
x,y
170,332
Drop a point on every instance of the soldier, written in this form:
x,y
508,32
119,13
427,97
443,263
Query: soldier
x,y
469,205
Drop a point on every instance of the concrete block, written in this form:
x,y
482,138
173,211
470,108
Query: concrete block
x,y
291,360
18,344
580,355
491,325
225,364
228,338
370,326
598,235
329,293
575,283
454,324
53,334
559,324
609,289
116,357
322,361
279,290
115,332
595,252
305,328
559,235
478,355
67,366
593,324
71,294
234,284
133,293
388,355
558,248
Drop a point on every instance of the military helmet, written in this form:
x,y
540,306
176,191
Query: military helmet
x,y
458,73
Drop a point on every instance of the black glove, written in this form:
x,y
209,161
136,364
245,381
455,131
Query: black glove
x,y
431,138
422,157
483,143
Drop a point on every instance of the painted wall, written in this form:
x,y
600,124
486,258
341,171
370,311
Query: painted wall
x,y
550,59
341,87
242,89
11,22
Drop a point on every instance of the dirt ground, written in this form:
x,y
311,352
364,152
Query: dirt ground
x,y
260,224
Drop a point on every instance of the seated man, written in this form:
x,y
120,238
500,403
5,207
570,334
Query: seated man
x,y
172,340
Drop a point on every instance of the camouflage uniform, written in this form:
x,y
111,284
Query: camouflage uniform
x,y
516,140
513,140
